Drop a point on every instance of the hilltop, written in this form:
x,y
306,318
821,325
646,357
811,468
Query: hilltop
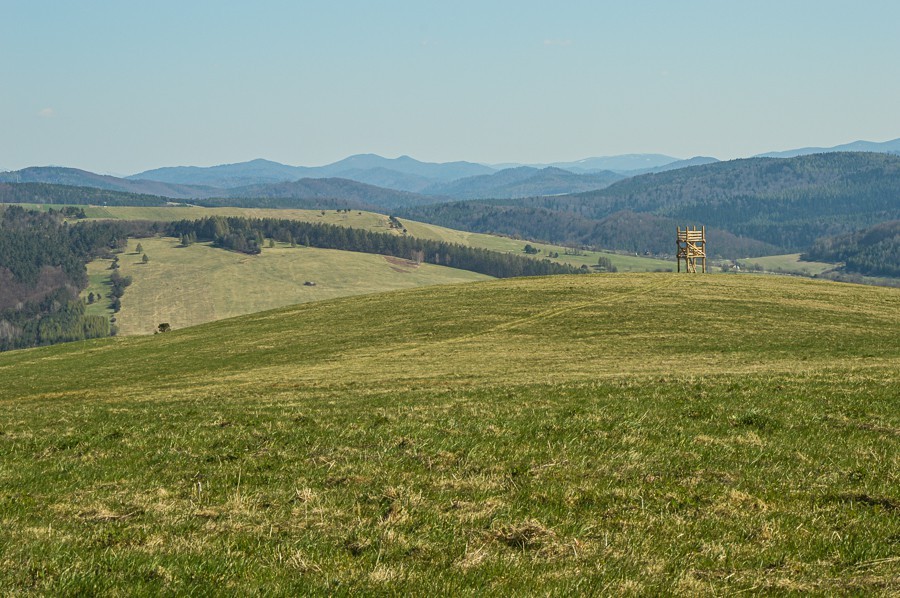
x,y
549,435
888,147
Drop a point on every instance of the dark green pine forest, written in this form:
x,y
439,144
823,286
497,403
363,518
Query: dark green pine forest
x,y
42,270
873,251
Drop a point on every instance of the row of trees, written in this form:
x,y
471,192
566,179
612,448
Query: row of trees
x,y
246,235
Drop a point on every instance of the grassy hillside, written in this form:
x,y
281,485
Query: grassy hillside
x,y
562,435
185,286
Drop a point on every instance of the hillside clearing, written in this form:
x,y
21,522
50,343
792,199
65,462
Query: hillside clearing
x,y
186,286
789,264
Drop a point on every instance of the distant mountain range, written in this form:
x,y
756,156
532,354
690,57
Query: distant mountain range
x,y
753,206
886,147
262,178
439,179
621,164
456,180
696,161
403,173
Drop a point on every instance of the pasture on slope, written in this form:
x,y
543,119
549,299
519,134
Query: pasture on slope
x,y
788,264
551,435
185,286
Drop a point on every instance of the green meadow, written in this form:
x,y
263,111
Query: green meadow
x,y
788,264
185,286
638,434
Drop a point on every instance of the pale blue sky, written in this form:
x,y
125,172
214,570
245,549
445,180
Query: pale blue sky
x,y
122,86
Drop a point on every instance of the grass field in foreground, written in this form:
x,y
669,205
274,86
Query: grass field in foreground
x,y
379,223
185,286
565,435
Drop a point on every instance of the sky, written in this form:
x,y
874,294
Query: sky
x,y
124,86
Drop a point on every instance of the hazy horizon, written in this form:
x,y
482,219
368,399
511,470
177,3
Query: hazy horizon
x,y
121,89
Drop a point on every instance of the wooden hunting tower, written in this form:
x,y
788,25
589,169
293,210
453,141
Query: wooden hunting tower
x,y
691,248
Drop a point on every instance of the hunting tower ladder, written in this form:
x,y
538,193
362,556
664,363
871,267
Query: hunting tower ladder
x,y
691,248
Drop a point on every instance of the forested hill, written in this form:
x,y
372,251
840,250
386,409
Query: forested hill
x,y
303,194
349,192
523,182
857,174
74,177
625,230
783,203
872,252
46,193
42,269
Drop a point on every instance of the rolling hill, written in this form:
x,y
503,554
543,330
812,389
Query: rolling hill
x,y
753,207
52,194
888,147
776,204
621,163
873,251
223,176
302,194
696,161
342,192
186,286
74,177
549,436
407,173
523,181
